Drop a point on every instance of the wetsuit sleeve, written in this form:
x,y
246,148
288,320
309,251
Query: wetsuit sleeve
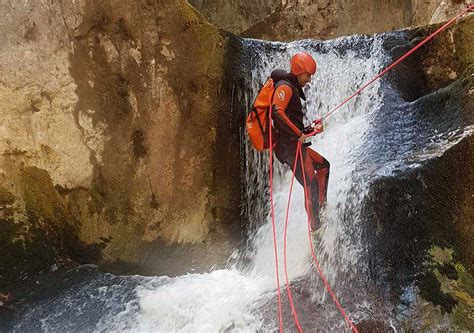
x,y
281,98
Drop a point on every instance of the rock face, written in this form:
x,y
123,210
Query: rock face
x,y
287,20
111,125
235,15
331,19
420,219
448,9
117,144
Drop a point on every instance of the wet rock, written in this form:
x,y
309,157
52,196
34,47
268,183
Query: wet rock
x,y
442,61
114,139
374,326
419,215
447,9
38,230
419,219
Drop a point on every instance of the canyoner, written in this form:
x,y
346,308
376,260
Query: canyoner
x,y
279,104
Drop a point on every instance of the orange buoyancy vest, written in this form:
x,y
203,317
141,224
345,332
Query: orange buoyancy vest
x,y
258,120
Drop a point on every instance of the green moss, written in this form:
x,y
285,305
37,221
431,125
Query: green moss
x,y
449,285
209,42
465,279
431,289
441,256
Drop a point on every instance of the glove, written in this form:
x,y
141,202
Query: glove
x,y
316,127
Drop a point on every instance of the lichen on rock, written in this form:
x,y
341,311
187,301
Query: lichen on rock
x,y
448,286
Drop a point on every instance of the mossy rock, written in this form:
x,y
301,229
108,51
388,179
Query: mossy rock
x,y
46,235
449,287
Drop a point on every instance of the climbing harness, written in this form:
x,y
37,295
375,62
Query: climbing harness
x,y
300,155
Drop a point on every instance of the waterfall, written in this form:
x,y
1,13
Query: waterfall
x,y
343,65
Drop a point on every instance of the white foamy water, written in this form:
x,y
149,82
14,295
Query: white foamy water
x,y
201,303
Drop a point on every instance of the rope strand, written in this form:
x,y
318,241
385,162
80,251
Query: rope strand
x,y
299,152
328,287
280,316
288,290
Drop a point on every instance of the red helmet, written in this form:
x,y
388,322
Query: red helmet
x,y
303,62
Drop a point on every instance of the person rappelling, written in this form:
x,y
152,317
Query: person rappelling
x,y
282,94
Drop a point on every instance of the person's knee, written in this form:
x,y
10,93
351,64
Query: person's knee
x,y
323,166
326,164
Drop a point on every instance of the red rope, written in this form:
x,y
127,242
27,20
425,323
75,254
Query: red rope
x,y
280,317
427,39
288,290
328,287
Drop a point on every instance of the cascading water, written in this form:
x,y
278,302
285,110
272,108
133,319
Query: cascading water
x,y
242,298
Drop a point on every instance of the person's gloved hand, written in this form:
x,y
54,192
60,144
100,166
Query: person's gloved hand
x,y
319,128
316,127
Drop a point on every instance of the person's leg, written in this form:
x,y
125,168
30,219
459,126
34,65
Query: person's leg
x,y
312,188
316,172
321,166
317,176
285,152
